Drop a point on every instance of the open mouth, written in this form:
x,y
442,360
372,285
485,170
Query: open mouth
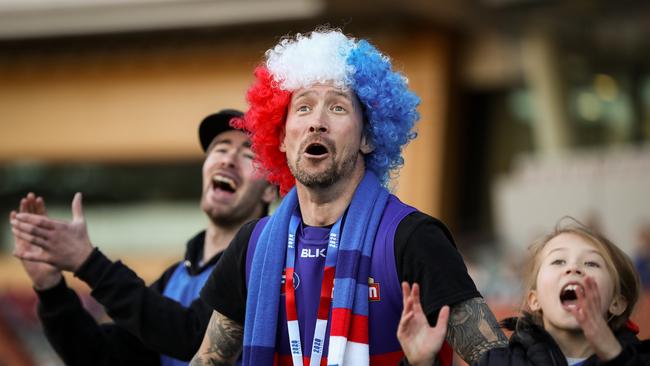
x,y
224,183
569,294
316,149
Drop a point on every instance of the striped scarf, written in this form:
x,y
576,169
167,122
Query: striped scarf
x,y
348,342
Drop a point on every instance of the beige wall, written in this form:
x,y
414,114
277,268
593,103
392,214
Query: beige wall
x,y
425,58
145,104
115,107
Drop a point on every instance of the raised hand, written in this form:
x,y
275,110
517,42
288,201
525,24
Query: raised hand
x,y
43,275
588,314
63,244
420,342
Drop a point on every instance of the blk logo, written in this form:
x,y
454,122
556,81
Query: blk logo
x,y
313,253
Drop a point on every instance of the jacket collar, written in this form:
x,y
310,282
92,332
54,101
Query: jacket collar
x,y
540,347
194,254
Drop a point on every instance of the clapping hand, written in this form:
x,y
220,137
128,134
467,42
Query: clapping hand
x,y
63,244
43,275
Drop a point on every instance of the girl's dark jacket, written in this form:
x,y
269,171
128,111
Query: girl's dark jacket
x,y
531,345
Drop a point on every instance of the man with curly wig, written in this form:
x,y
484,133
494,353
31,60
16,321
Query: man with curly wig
x,y
318,282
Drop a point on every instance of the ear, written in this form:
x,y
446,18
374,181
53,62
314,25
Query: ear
x,y
270,193
618,305
533,301
282,147
366,145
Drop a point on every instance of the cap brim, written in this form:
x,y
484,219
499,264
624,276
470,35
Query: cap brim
x,y
215,124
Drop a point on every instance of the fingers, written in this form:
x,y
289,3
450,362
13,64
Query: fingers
x,y
406,292
443,319
407,301
406,289
38,220
411,298
407,311
31,229
30,253
30,198
30,238
415,291
588,298
40,206
22,248
587,309
32,204
31,233
415,295
592,294
77,208
406,318
22,207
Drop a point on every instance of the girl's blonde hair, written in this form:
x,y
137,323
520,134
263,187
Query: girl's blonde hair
x,y
626,279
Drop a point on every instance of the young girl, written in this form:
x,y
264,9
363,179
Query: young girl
x,y
579,291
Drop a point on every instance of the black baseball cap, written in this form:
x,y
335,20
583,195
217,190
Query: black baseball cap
x,y
215,124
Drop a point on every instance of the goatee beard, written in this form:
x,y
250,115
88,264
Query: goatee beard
x,y
325,178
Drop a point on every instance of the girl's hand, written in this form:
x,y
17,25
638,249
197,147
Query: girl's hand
x,y
420,342
593,324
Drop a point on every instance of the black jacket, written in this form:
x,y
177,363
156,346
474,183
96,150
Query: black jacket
x,y
531,345
145,322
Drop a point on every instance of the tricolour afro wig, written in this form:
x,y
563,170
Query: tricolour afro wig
x,y
328,56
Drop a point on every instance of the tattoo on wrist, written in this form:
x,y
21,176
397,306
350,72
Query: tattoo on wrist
x,y
225,342
225,337
474,330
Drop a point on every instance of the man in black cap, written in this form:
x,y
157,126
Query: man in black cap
x,y
156,325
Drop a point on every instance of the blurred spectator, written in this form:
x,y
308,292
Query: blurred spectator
x,y
158,325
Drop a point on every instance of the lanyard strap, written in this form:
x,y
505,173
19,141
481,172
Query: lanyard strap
x,y
325,293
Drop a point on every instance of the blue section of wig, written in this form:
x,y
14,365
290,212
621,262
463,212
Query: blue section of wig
x,y
390,108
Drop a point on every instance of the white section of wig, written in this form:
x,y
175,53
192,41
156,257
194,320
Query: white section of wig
x,y
317,58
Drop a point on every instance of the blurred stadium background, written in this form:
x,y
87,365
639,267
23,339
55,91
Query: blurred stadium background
x,y
531,110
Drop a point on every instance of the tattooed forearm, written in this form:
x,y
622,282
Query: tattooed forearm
x,y
225,337
473,329
222,342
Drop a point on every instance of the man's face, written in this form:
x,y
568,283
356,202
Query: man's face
x,y
323,135
232,187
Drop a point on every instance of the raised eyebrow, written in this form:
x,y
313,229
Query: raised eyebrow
x,y
338,93
303,94
594,251
555,250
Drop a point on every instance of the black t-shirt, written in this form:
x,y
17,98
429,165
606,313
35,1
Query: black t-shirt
x,y
424,253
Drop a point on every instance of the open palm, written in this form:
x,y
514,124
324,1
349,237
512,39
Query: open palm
x,y
420,341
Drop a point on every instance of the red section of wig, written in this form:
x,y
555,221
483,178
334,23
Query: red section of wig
x,y
264,121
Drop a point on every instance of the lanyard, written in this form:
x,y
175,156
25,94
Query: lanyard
x,y
325,293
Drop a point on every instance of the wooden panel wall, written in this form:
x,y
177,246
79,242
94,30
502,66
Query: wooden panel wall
x,y
145,104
